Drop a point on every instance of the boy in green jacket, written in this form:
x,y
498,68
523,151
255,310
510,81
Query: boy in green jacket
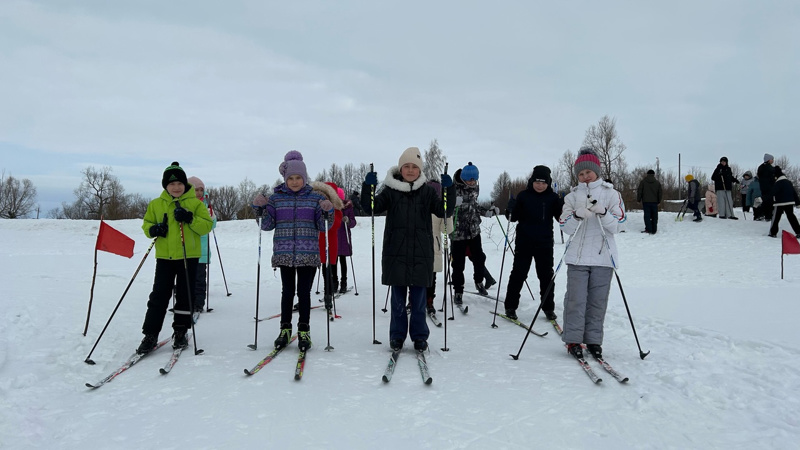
x,y
176,208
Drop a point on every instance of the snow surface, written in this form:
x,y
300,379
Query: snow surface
x,y
707,301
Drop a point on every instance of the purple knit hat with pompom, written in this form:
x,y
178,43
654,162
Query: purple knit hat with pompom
x,y
293,165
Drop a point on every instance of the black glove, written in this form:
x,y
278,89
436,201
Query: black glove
x,y
159,230
510,207
371,179
182,215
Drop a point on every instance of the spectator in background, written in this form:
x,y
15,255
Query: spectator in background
x,y
649,194
766,178
723,185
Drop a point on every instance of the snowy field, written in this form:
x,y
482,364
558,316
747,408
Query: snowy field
x,y
707,302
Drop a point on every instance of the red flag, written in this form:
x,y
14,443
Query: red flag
x,y
113,241
790,246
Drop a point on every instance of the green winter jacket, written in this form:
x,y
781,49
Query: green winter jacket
x,y
170,247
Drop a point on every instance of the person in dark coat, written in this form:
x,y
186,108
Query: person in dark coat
x,y
754,199
407,257
355,198
766,180
649,195
785,199
693,197
723,184
535,208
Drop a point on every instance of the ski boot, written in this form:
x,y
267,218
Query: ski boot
x,y
575,350
396,344
179,339
551,315
596,350
458,298
512,314
285,335
303,337
420,345
481,290
148,344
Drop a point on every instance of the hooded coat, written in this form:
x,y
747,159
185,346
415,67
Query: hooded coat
x,y
407,257
345,236
649,190
468,214
535,213
329,239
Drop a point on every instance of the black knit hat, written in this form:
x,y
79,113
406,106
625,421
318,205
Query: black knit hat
x,y
174,173
541,173
778,172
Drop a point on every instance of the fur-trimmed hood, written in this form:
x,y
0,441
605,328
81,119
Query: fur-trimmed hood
x,y
329,193
395,181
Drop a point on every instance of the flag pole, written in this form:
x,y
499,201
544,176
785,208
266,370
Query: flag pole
x,y
91,291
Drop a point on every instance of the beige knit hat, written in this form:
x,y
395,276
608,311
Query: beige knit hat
x,y
411,155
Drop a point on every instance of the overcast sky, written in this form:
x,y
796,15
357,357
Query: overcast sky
x,y
227,88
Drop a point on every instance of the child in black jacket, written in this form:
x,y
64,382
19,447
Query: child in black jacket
x,y
785,200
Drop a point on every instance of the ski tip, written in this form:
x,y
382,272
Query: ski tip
x,y
298,377
385,379
90,386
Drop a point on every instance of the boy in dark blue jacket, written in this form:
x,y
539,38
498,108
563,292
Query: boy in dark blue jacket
x,y
535,209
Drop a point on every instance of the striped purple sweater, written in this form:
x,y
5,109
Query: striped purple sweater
x,y
297,220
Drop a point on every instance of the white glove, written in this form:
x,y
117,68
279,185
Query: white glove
x,y
598,209
583,213
345,219
757,202
492,211
459,201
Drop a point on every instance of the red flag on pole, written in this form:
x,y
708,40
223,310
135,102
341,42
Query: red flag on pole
x,y
790,245
113,241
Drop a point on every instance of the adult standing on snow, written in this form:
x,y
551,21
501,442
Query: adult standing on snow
x,y
407,259
766,180
535,209
723,183
588,207
176,209
467,231
649,195
785,200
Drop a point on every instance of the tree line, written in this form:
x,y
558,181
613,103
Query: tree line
x,y
101,194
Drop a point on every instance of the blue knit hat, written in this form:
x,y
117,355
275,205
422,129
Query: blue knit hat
x,y
469,172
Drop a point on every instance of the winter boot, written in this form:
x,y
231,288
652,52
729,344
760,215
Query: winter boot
x,y
575,350
285,335
396,344
512,314
481,290
420,345
334,278
596,350
303,337
430,307
458,298
489,281
551,315
328,301
700,219
179,339
343,286
148,344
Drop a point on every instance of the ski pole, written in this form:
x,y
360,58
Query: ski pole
x,y
386,303
352,266
88,359
197,351
208,258
372,215
224,280
642,354
254,345
447,263
328,297
506,244
318,276
549,289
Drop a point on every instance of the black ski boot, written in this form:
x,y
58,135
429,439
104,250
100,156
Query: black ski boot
x,y
420,345
489,281
481,290
148,344
458,298
303,336
396,345
285,335
596,350
343,286
575,350
512,314
551,315
179,339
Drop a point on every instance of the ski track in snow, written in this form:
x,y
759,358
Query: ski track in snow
x,y
707,301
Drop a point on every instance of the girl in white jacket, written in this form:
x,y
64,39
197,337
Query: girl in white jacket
x,y
592,253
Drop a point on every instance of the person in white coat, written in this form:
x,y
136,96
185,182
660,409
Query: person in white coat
x,y
592,253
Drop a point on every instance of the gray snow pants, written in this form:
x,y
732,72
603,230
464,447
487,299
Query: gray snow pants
x,y
585,303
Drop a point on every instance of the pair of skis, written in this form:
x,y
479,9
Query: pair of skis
x,y
518,323
136,357
299,367
587,368
421,362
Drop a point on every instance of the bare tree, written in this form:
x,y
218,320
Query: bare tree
x,y
247,192
501,190
565,175
225,202
435,160
97,191
603,138
17,197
